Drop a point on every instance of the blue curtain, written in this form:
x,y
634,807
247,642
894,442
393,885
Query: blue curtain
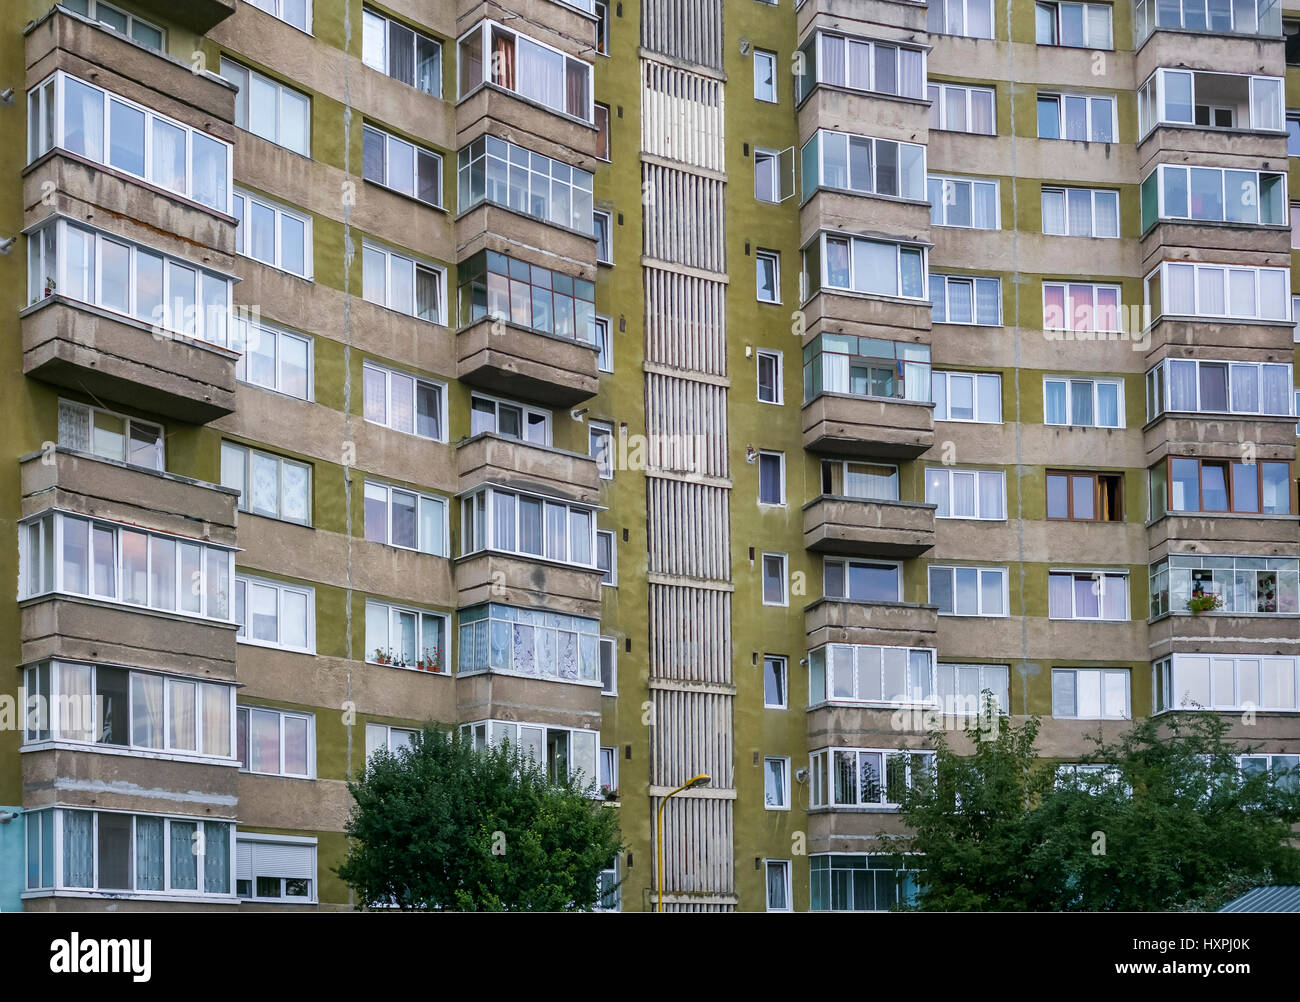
x,y
185,872
78,849
148,853
216,861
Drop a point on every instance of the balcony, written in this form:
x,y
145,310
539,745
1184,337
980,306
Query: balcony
x,y
1230,36
485,695
1224,532
508,462
120,359
862,527
520,580
80,777
523,364
850,621
882,427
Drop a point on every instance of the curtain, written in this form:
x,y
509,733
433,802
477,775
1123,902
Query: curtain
x,y
981,113
1054,308
148,853
1244,380
428,65
1059,596
832,63
1079,203
78,849
954,99
1076,117
503,60
1081,403
1087,601
988,293
1182,385
216,719
1115,597
963,495
184,860
1241,292
985,206
1180,290
1214,387
1107,405
402,403
168,156
1102,113
1054,212
555,526
216,857
76,707
910,82
1277,387
181,723
992,495
83,120
541,74
576,99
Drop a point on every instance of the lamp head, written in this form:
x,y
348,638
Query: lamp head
x,y
698,781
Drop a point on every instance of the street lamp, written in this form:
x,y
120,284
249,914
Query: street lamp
x,y
691,784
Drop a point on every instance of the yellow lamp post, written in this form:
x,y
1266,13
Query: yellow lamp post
x,y
700,780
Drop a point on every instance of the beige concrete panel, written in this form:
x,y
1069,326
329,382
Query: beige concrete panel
x,y
491,227
1216,633
490,695
867,426
1218,438
1009,250
868,18
489,458
127,783
493,110
864,215
880,116
1107,448
835,725
1243,148
843,621
1058,160
526,365
882,528
1225,532
869,316
1233,341
532,583
1204,50
297,804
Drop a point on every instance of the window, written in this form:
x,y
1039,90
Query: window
x,y
119,707
602,132
406,519
967,18
862,580
1244,585
1248,17
1080,212
866,481
873,267
491,53
1077,117
967,396
1080,25
1283,770
272,234
402,166
275,868
128,854
1085,497
774,579
110,436
861,64
403,284
865,367
776,784
67,554
1293,135
1214,194
773,174
1090,693
969,591
1220,485
609,891
488,415
955,108
769,378
562,752
771,478
764,76
858,777
604,345
504,288
845,883
862,164
957,299
1226,682
274,614
276,742
1195,99
767,267
528,525
391,48
406,637
391,739
602,27
603,221
294,12
1078,306
404,403
607,556
99,126
600,443
1091,777
960,202
1087,595
492,170
1083,403
608,666
130,280
268,109
980,494
608,770
271,357
268,485
775,690
1218,290
864,673
777,873
961,688
135,28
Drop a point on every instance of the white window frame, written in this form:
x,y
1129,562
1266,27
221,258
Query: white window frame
x,y
781,665
608,644
770,59
784,803
957,705
388,375
1099,578
872,45
610,580
942,24
780,458
276,9
1153,102
259,838
781,864
1160,390
972,182
948,473
394,611
244,755
940,101
826,654
823,760
775,258
1094,214
604,330
485,29
389,730
93,8
1102,673
1094,310
442,546
245,502
391,258
899,248
527,414
775,359
1087,41
369,17
281,588
605,238
390,140
846,562
604,456
783,560
973,281
1091,131
980,572
1281,278
244,332
1094,383
1162,679
242,104
129,424
914,177
976,380
483,500
1163,213
280,213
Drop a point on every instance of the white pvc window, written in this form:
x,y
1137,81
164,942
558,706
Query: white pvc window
x,y
955,108
489,415
1090,693
404,403
866,673
967,396
403,284
406,519
1083,403
1081,306
407,637
957,299
135,28
965,18
529,525
869,266
977,494
862,64
275,868
275,614
1192,385
268,109
1219,290
395,163
268,485
961,688
776,784
274,742
272,358
764,76
294,12
1077,117
969,591
1215,194
1080,212
1196,99
1097,595
1079,25
492,53
270,233
865,777
1226,682
862,164
956,201
68,113
775,579
110,435
408,56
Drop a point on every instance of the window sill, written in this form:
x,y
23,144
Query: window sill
x,y
275,775
248,642
309,278
488,85
831,704
410,668
62,744
157,333
584,682
273,518
409,316
279,901
127,606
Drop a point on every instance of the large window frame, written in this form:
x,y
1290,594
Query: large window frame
x,y
490,416
871,674
111,435
1058,117
1074,25
842,263
863,165
864,778
287,472
1063,405
957,299
1093,307
123,22
960,18
839,579
1218,291
428,629
1103,585
960,687
1235,682
940,490
493,520
1168,97
418,388
476,68
248,207
1245,585
1263,200
1102,212
288,598
245,717
380,496
515,178
1072,686
288,367
988,597
837,60
953,108
287,100
384,264
1087,496
982,389
1220,486
948,208
381,36
383,163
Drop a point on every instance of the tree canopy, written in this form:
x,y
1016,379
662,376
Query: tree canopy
x,y
441,825
1167,820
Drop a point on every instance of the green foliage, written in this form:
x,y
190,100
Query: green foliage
x,y
1171,824
440,825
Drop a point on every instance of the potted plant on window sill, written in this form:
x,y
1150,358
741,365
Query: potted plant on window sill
x,y
431,661
1202,602
610,793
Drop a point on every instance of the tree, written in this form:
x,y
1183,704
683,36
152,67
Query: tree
x,y
440,825
1167,822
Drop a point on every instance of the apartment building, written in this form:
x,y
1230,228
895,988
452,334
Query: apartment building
x,y
668,388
